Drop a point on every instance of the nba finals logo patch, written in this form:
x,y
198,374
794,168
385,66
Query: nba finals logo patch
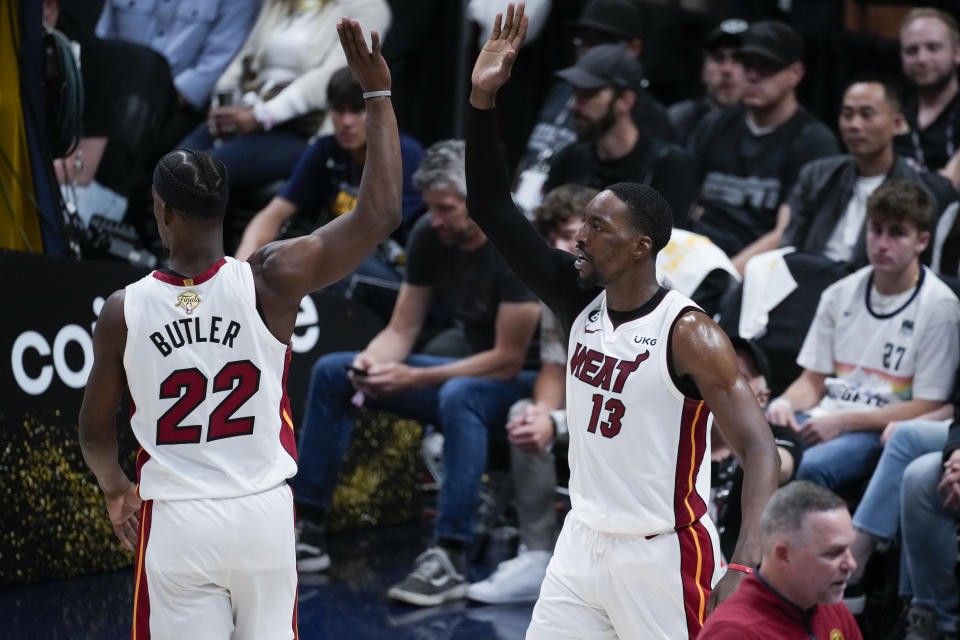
x,y
188,301
836,635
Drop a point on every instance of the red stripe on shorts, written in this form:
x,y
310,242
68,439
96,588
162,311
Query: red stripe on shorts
x,y
696,574
141,597
287,439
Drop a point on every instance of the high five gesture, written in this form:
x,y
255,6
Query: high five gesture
x,y
368,67
493,66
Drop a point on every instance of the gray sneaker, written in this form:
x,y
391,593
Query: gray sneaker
x,y
435,579
921,625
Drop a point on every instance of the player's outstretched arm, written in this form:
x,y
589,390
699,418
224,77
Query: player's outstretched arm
x,y
703,352
290,269
98,430
544,270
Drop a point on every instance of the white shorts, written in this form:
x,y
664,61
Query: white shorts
x,y
601,585
217,568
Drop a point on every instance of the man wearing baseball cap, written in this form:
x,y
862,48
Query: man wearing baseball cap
x,y
611,147
722,77
618,22
749,156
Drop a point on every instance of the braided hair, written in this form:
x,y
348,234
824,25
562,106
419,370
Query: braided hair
x,y
193,182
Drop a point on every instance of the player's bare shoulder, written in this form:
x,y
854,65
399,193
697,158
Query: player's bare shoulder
x,y
111,322
701,348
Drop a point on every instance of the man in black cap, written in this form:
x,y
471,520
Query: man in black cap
x,y
749,156
605,81
617,22
722,77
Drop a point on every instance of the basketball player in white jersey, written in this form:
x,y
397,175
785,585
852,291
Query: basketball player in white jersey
x,y
637,556
203,348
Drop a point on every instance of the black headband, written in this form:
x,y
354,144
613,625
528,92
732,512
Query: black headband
x,y
186,198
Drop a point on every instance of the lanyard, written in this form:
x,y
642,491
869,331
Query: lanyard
x,y
915,138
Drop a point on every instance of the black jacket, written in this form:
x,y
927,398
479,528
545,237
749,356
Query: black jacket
x,y
823,190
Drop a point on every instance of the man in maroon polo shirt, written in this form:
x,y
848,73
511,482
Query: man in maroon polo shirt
x,y
796,591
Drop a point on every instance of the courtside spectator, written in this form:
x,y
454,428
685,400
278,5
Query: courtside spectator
x,y
722,78
882,347
828,205
750,156
272,98
606,82
930,53
449,259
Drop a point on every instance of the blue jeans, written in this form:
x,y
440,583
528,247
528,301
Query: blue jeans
x,y
463,408
837,463
253,160
879,511
929,542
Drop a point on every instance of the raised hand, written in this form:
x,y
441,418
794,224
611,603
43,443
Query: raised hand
x,y
368,67
493,66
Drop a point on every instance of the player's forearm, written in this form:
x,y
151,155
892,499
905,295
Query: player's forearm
x,y
380,197
878,419
761,472
100,452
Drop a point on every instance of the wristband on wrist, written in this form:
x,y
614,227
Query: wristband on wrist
x,y
376,94
740,568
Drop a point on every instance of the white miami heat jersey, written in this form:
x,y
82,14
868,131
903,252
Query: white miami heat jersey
x,y
637,443
207,383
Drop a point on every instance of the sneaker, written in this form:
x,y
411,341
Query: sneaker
x,y
855,597
311,547
435,579
921,625
515,580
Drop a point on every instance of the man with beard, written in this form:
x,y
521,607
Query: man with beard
x,y
749,156
611,147
638,554
930,53
722,77
450,260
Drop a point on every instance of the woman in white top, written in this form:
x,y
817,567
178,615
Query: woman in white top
x,y
271,99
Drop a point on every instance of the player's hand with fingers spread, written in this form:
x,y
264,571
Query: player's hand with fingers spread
x,y
368,67
492,68
123,510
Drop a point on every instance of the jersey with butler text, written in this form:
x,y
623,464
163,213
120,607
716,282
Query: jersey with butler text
x,y
637,443
207,385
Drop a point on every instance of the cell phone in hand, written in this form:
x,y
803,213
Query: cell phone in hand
x,y
356,370
224,98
